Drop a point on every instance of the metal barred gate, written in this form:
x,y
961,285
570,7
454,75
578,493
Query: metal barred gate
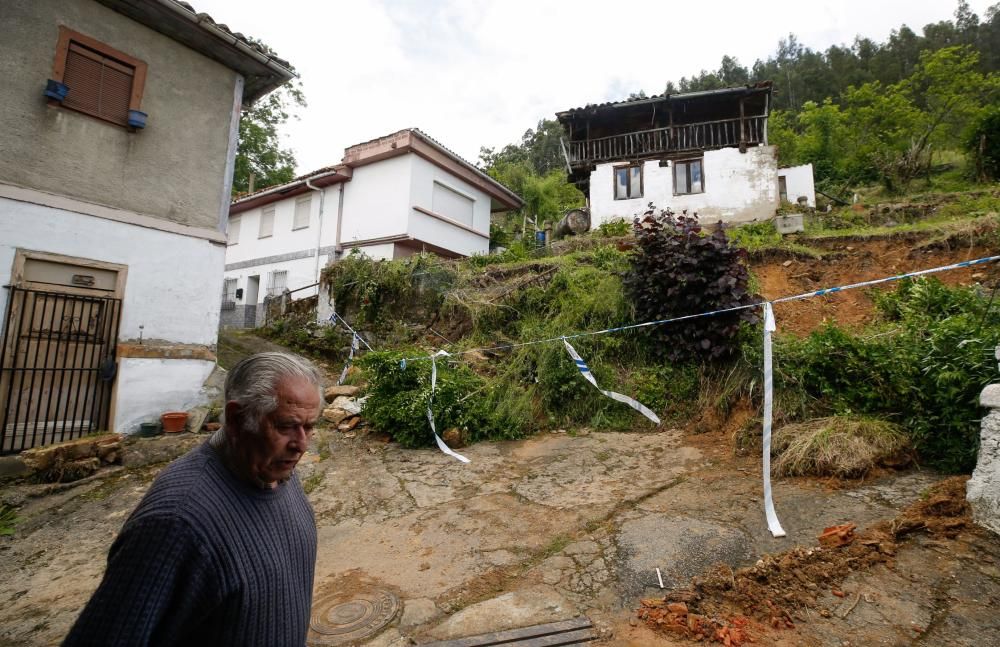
x,y
57,366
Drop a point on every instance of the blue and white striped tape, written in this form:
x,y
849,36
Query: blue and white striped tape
x,y
769,514
430,414
624,399
350,359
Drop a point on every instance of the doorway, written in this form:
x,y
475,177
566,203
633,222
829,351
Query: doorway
x,y
253,289
58,355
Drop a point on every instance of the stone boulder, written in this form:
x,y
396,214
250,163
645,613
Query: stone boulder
x,y
333,392
983,489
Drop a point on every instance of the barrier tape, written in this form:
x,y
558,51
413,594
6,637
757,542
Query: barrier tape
x,y
624,399
430,414
333,319
772,518
658,322
350,359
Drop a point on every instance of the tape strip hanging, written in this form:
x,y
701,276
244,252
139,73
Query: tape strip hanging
x,y
624,399
772,518
350,359
430,415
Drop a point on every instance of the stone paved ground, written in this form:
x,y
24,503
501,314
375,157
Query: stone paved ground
x,y
532,531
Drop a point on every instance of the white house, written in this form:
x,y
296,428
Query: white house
x,y
119,138
389,197
704,152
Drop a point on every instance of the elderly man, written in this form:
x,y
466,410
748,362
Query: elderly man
x,y
222,549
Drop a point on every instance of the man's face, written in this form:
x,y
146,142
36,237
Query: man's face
x,y
284,433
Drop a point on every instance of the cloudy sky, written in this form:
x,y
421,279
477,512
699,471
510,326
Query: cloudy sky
x,y
477,73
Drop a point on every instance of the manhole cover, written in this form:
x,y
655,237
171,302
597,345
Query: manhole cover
x,y
341,620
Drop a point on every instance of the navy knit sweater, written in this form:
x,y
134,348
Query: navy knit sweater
x,y
206,559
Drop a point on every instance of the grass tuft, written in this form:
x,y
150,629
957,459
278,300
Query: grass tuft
x,y
841,446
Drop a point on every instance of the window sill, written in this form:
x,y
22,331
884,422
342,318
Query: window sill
x,y
300,228
263,237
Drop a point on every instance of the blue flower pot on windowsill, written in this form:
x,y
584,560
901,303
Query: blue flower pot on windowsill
x,y
56,90
137,118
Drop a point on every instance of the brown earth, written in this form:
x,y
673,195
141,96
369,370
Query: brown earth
x,y
854,261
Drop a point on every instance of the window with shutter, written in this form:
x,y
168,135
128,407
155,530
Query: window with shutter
x,y
102,81
234,231
302,208
266,223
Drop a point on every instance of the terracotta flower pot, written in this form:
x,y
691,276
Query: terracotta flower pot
x,y
174,421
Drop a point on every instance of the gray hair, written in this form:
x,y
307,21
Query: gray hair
x,y
253,384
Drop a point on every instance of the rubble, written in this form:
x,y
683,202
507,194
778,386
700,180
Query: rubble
x,y
74,459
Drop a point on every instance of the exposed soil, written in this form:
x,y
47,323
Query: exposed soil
x,y
853,261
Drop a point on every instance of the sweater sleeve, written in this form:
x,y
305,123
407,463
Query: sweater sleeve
x,y
159,584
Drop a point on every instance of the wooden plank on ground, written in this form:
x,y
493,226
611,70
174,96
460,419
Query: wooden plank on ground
x,y
554,634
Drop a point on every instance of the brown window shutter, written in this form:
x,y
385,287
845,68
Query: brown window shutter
x,y
98,85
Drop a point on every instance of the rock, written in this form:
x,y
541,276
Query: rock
x,y
196,419
78,469
453,437
334,392
786,263
350,405
983,489
349,424
212,426
334,415
417,612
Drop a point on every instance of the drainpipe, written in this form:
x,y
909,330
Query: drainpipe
x,y
338,248
319,233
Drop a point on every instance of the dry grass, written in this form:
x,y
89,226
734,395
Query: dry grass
x,y
841,446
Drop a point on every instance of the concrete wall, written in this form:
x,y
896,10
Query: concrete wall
x,y
739,187
799,182
377,200
150,387
443,234
172,290
173,169
173,293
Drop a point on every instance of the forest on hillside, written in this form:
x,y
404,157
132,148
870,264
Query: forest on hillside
x,y
868,112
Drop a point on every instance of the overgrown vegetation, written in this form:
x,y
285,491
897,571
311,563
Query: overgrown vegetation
x,y
8,519
918,369
922,367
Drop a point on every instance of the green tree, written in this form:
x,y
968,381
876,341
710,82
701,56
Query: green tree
x,y
259,151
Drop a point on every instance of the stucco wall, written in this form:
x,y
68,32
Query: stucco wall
x,y
173,169
443,234
147,388
174,292
376,200
739,187
799,182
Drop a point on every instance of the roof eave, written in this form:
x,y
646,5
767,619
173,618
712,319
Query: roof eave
x,y
262,73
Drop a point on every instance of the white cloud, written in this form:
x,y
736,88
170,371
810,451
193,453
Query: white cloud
x,y
479,73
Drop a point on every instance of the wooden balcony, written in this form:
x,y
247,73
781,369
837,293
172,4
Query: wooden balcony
x,y
646,144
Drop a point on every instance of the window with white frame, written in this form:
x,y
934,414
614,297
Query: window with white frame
x,y
234,231
688,177
266,227
303,206
277,282
628,182
449,203
229,294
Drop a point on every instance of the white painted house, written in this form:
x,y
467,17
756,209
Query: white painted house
x,y
704,152
114,196
389,198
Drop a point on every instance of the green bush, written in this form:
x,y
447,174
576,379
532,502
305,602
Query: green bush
x,y
397,401
679,270
615,228
923,368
